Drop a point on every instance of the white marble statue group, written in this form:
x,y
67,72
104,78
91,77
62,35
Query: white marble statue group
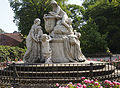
x,y
62,45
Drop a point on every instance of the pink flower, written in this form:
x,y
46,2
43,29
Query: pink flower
x,y
116,83
82,78
96,80
87,81
77,87
78,84
84,86
70,83
96,83
106,81
57,84
115,59
109,82
92,81
101,59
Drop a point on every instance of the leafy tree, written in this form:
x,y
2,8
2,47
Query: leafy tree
x,y
27,10
76,15
2,31
106,15
86,3
91,40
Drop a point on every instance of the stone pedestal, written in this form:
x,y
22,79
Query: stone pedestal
x,y
58,55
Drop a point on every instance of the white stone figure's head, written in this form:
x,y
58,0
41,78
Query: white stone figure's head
x,y
75,31
54,3
37,21
45,37
39,28
69,21
78,34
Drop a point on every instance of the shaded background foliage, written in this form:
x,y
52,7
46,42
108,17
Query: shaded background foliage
x,y
76,15
106,14
92,41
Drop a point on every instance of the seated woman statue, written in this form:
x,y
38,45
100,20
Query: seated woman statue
x,y
72,48
64,24
63,30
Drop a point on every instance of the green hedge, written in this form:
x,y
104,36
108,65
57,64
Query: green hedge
x,y
11,53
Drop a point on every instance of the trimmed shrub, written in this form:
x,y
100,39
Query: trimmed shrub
x,y
8,53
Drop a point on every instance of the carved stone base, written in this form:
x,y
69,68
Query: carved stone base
x,y
57,48
59,54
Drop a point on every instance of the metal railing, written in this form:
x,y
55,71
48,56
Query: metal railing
x,y
34,75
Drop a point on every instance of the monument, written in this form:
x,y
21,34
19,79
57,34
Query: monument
x,y
55,57
62,45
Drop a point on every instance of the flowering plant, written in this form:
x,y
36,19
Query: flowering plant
x,y
87,83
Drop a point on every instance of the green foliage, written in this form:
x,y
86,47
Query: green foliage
x,y
11,53
91,40
87,3
2,31
27,10
106,15
76,15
